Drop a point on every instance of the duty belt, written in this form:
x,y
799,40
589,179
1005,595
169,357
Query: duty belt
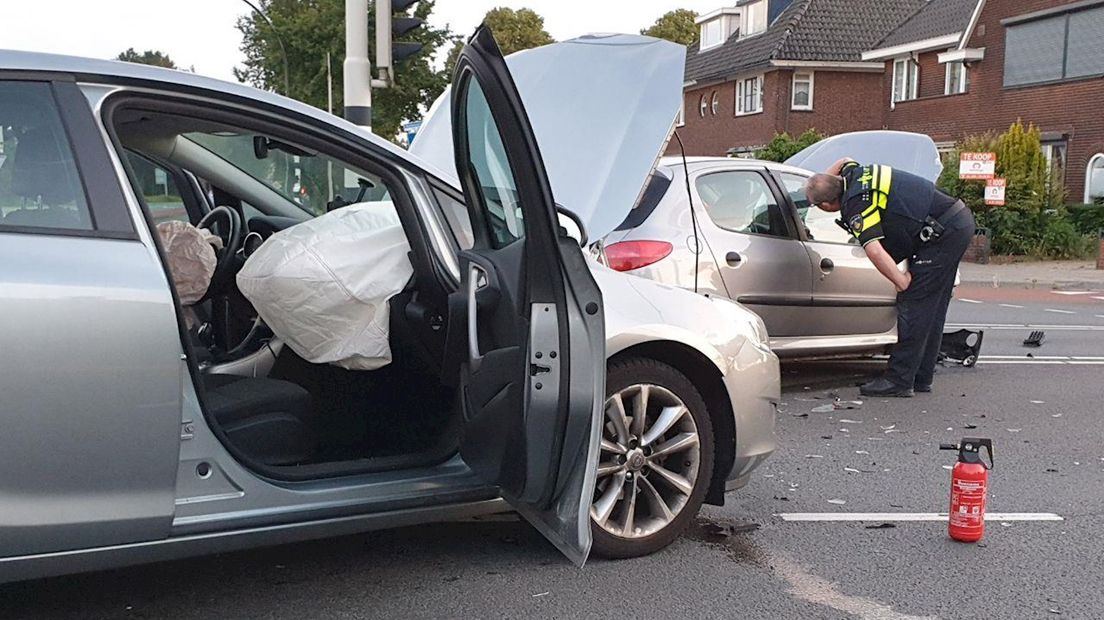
x,y
934,228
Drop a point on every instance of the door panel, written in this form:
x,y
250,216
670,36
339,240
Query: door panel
x,y
90,356
528,314
763,266
850,295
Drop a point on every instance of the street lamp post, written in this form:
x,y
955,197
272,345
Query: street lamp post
x,y
279,39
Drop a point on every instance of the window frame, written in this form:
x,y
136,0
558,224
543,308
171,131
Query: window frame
x,y
108,213
793,90
953,85
740,95
714,103
781,202
680,118
702,105
1088,175
911,82
719,21
1066,15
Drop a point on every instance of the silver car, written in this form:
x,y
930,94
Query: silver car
x,y
136,429
761,244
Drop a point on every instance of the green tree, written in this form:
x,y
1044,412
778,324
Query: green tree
x,y
784,146
148,57
677,26
517,30
310,29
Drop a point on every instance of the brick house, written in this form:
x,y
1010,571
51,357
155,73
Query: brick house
x,y
766,66
963,67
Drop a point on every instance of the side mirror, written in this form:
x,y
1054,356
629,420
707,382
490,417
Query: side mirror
x,y
572,226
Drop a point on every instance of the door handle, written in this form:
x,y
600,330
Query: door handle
x,y
476,274
733,259
826,264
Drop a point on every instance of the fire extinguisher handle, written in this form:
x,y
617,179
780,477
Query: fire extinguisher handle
x,y
948,446
988,445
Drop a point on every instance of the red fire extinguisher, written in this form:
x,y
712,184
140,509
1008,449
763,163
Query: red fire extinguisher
x,y
969,480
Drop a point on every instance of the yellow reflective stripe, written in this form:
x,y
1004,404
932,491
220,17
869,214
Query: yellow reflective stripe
x,y
885,177
874,176
873,206
872,220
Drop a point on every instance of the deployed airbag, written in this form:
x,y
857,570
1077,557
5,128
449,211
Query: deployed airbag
x,y
191,258
323,286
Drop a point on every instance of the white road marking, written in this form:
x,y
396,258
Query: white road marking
x,y
970,301
1073,292
1027,327
911,516
1011,306
1046,357
820,591
1099,298
1058,311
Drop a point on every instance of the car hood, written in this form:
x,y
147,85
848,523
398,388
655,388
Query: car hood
x,y
602,108
911,152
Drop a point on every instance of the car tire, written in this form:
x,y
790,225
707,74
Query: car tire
x,y
673,460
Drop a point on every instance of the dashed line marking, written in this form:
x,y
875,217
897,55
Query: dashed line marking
x,y
1028,326
970,301
1100,298
1058,311
1073,292
1011,306
912,516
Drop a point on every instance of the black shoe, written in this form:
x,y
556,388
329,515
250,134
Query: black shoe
x,y
922,388
884,387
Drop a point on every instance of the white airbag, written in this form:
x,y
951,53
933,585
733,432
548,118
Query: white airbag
x,y
323,286
191,258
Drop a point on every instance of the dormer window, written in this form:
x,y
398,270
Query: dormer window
x,y
717,26
753,18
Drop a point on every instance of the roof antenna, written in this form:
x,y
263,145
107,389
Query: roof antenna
x,y
693,213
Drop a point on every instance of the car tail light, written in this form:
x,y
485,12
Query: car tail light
x,y
629,255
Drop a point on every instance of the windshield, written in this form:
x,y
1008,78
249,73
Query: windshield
x,y
312,181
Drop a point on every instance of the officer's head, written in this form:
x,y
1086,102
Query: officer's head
x,y
825,191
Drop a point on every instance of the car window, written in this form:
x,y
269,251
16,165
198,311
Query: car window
x,y
819,225
158,187
456,215
654,191
487,155
314,182
39,183
741,201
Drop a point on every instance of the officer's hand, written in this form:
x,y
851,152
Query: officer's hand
x,y
905,281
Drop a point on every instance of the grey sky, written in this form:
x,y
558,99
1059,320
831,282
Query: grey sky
x,y
201,33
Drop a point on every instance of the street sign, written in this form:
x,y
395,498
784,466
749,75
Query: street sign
x,y
994,191
977,165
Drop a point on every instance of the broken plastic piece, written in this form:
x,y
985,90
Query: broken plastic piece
x,y
962,346
882,526
1035,339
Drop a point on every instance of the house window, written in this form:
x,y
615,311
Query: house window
x,y
754,18
802,98
906,79
1055,153
702,106
749,95
1062,47
713,105
1094,178
957,79
712,33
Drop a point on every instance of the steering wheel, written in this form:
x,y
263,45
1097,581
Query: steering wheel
x,y
231,243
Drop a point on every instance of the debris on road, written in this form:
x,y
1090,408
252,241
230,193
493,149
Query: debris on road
x,y
724,530
881,526
814,456
851,470
1035,339
846,421
1036,402
824,409
837,502
541,594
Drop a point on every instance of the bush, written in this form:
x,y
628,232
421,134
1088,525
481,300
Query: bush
x,y
1034,220
783,146
1088,218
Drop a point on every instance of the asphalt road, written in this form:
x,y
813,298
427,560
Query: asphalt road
x,y
1043,413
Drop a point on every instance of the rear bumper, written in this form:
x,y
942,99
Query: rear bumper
x,y
754,385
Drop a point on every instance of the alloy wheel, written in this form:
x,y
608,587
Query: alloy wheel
x,y
649,461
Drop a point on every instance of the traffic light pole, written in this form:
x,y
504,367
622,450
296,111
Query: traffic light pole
x,y
357,69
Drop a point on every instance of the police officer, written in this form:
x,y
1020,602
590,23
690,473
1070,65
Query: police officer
x,y
896,216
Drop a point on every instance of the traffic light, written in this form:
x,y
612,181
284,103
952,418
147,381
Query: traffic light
x,y
392,22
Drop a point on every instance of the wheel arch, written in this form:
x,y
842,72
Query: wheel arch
x,y
707,378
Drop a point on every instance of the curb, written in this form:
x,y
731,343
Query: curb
x,y
1033,284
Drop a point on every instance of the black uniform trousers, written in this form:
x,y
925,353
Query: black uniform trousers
x,y
922,308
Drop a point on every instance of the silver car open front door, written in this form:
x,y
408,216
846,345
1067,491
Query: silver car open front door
x,y
533,376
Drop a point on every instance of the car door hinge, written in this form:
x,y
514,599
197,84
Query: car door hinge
x,y
187,430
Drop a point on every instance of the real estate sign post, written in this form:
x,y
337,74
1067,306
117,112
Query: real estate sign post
x,y
994,191
977,166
